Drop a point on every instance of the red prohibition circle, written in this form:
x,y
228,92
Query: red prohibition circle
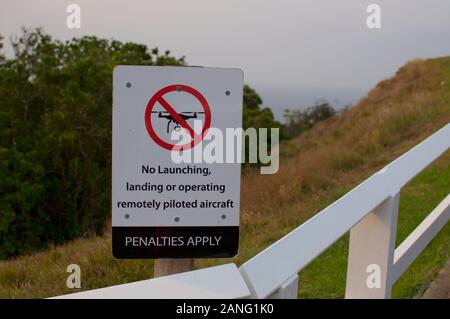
x,y
159,97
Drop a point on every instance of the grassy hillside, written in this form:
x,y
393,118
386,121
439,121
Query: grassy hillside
x,y
316,169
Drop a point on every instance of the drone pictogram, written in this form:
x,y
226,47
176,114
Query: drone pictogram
x,y
184,115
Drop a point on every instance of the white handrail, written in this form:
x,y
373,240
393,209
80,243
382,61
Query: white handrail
x,y
216,282
271,267
413,245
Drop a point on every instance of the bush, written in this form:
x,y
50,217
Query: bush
x,y
298,121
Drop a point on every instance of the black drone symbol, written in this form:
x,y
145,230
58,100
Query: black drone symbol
x,y
184,115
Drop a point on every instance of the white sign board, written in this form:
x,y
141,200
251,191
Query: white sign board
x,y
167,200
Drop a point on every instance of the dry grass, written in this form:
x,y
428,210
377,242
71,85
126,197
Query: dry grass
x,y
316,169
339,152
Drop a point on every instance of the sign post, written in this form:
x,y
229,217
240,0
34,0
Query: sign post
x,y
172,197
165,267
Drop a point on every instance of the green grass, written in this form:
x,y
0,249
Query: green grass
x,y
325,276
418,199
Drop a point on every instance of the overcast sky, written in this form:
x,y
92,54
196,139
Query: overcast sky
x,y
292,52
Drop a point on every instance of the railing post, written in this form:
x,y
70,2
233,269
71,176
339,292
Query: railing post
x,y
287,290
165,267
371,252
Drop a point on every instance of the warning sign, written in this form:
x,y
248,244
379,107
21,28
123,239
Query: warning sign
x,y
162,208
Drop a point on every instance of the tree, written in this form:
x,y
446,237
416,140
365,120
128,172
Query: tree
x,y
319,112
298,121
252,101
254,115
2,57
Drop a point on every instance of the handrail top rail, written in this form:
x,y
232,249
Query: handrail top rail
x,y
222,281
322,230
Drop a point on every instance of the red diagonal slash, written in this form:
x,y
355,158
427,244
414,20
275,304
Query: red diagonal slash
x,y
177,117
